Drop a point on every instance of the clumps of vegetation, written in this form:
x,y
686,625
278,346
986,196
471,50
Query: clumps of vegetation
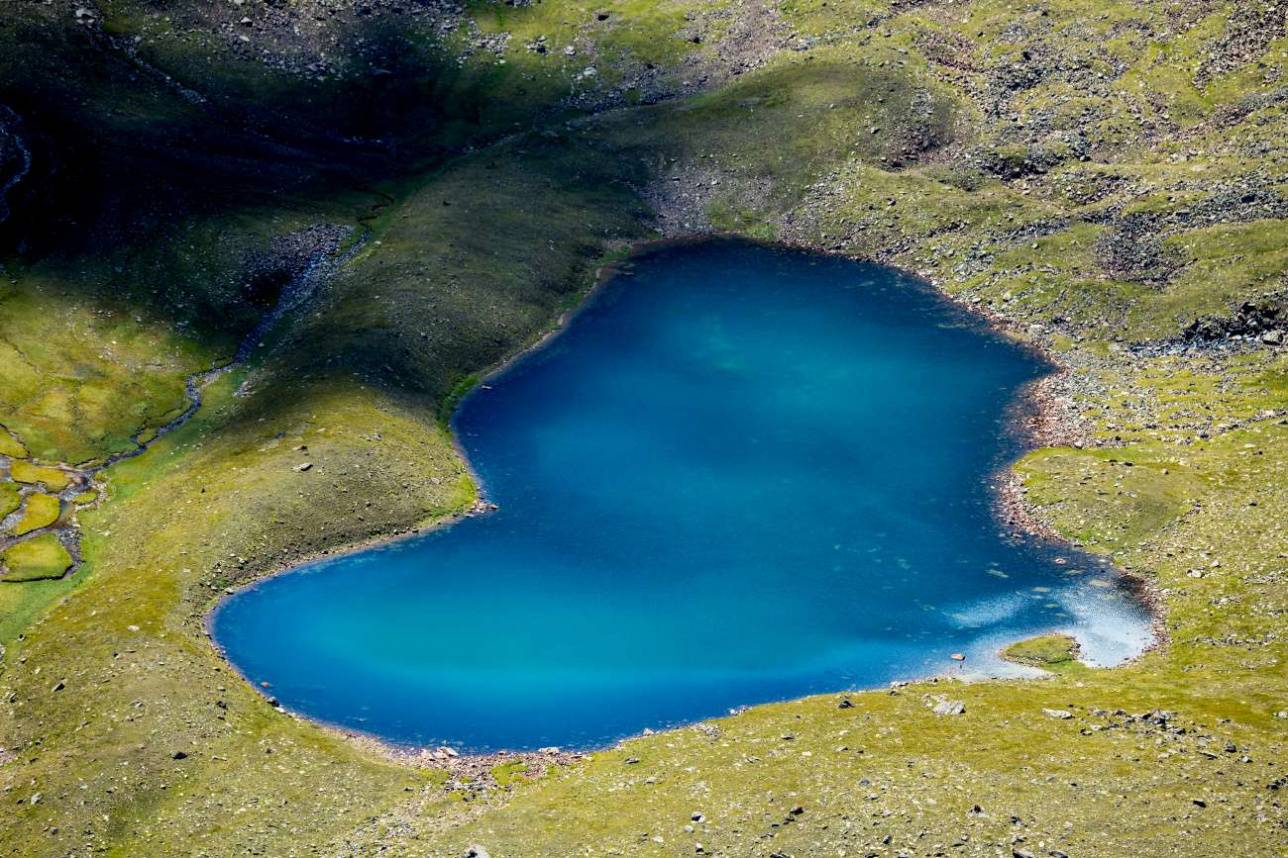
x,y
11,446
510,773
54,479
39,558
10,498
41,511
128,373
1049,652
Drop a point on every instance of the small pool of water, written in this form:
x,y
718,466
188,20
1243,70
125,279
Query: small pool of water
x,y
740,475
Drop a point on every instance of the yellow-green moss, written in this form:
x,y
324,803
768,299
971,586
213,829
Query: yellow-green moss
x,y
41,510
37,558
10,446
129,373
1050,652
54,479
506,774
10,498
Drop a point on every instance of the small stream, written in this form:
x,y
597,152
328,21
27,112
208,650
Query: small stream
x,y
301,288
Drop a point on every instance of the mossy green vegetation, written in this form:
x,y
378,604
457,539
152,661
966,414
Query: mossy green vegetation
x,y
1096,174
1049,652
41,557
40,511
22,603
10,498
511,773
54,479
78,379
10,446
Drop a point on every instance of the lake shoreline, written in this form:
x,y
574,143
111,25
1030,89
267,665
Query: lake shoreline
x,y
1035,418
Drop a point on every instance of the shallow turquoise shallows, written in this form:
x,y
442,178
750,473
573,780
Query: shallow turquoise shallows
x,y
740,475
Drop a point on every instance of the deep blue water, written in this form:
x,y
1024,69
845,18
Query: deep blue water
x,y
740,475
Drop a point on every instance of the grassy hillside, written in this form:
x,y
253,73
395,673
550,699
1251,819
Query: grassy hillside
x,y
1106,179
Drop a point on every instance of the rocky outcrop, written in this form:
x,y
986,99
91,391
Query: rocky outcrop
x,y
1248,35
1264,321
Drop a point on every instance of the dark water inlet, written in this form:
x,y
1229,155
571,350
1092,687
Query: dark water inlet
x,y
742,475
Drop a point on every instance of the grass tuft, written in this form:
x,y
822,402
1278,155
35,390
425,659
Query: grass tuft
x,y
41,511
39,558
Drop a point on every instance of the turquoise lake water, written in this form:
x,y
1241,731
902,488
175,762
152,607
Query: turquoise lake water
x,y
740,475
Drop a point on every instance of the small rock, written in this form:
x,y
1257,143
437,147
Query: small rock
x,y
949,707
1061,714
476,851
303,466
179,755
845,703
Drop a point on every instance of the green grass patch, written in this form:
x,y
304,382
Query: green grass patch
x,y
79,380
21,604
42,557
511,773
53,479
1109,499
1049,652
10,498
10,446
41,510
